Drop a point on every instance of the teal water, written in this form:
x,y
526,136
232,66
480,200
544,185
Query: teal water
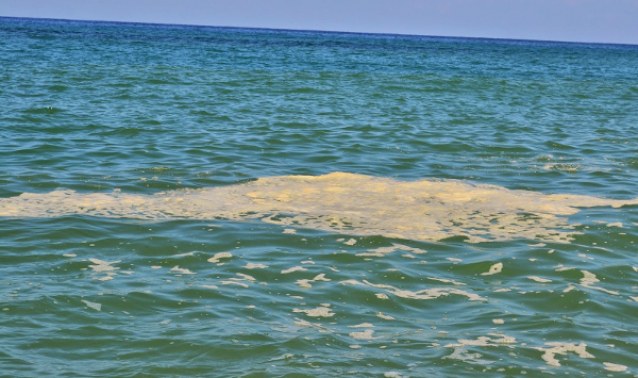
x,y
153,223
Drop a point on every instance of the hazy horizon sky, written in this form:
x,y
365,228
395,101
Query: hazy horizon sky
x,y
558,20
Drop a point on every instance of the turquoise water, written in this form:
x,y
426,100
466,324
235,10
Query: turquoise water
x,y
466,206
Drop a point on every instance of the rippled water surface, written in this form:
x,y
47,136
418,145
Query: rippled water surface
x,y
197,201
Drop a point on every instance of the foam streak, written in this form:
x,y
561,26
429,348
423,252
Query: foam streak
x,y
426,210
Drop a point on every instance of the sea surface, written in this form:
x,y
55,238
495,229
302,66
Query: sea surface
x,y
227,202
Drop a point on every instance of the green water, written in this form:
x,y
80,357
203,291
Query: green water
x,y
142,233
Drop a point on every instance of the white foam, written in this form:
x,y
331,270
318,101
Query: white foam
x,y
234,282
609,366
462,354
493,339
307,283
104,267
445,280
549,354
322,312
294,269
539,279
362,325
93,305
246,277
255,266
383,316
101,266
460,351
590,280
217,257
383,251
494,269
350,241
426,210
362,335
177,270
424,294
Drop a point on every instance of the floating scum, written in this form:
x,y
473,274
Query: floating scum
x,y
425,210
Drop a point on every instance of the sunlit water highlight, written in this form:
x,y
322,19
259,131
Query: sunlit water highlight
x,y
190,201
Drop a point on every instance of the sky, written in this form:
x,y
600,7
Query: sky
x,y
612,21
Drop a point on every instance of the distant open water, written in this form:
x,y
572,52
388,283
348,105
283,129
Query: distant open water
x,y
153,221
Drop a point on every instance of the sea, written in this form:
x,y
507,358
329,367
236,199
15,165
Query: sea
x,y
230,202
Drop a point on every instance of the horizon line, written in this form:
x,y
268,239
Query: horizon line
x,y
321,31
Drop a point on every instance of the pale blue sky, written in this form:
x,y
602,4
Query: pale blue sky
x,y
564,20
